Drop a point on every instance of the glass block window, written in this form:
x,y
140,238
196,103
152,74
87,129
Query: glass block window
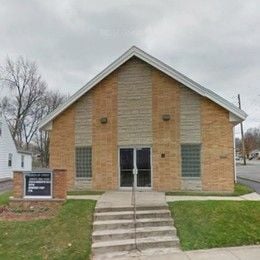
x,y
190,159
83,162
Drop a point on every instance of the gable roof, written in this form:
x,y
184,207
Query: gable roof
x,y
134,51
3,122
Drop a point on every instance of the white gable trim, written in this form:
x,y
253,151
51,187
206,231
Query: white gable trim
x,y
134,51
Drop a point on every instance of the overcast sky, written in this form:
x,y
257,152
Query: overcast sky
x,y
216,43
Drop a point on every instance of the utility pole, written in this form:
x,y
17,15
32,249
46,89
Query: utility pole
x,y
242,133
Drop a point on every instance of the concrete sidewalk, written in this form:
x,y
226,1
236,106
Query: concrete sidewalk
x,y
229,253
250,197
83,197
125,198
225,253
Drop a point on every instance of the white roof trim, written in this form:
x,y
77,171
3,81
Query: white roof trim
x,y
134,51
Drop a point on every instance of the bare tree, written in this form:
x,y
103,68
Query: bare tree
x,y
26,88
252,140
238,144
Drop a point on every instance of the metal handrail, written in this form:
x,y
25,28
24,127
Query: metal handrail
x,y
134,209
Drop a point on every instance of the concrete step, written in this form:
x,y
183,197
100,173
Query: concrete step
x,y
129,223
129,244
130,214
117,234
130,208
135,254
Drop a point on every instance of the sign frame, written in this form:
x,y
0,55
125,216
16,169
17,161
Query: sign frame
x,y
37,196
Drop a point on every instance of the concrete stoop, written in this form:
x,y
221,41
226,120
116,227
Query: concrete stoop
x,y
114,234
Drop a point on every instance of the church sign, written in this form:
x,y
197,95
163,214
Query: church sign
x,y
38,184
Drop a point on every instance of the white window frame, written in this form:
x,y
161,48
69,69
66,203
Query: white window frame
x,y
22,160
10,159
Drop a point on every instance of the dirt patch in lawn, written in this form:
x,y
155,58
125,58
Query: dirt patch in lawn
x,y
8,213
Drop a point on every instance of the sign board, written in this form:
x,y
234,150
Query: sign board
x,y
38,184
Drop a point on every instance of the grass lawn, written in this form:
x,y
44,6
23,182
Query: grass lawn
x,y
85,192
67,236
208,224
4,197
240,189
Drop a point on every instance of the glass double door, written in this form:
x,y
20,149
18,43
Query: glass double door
x,y
135,167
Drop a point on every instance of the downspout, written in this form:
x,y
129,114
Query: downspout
x,y
234,155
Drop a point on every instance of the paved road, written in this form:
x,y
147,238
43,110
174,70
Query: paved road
x,y
254,185
249,174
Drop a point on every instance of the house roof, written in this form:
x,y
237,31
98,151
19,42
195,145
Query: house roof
x,y
24,152
134,51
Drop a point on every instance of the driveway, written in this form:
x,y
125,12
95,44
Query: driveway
x,y
249,174
5,185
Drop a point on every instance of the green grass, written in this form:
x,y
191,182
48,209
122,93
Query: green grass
x,y
85,192
50,239
208,224
240,189
4,197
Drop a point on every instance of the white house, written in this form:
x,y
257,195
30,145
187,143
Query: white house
x,y
10,158
255,155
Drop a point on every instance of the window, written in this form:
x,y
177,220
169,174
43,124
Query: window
x,y
190,159
83,162
22,161
10,159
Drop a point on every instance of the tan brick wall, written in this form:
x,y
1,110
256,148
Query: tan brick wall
x,y
189,183
83,120
59,184
217,153
104,139
62,144
18,185
166,134
217,148
134,103
190,123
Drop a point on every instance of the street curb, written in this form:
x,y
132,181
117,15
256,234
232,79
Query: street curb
x,y
247,179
